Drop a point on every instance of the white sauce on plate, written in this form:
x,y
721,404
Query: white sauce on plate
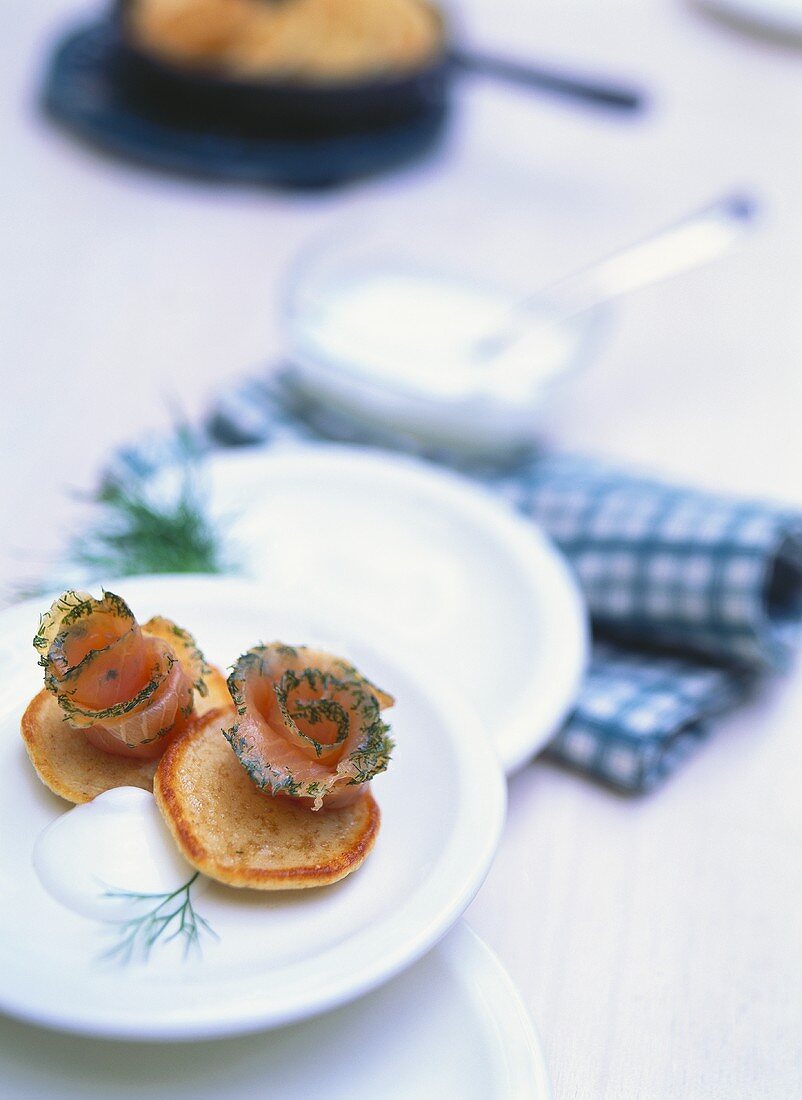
x,y
118,841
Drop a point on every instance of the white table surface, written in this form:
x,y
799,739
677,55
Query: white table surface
x,y
656,941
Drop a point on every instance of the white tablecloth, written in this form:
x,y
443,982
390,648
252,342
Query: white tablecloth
x,y
656,941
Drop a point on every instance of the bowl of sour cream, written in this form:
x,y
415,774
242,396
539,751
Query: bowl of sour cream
x,y
387,334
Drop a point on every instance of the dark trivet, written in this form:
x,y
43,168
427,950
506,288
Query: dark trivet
x,y
88,91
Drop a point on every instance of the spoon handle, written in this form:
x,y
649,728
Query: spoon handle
x,y
548,80
696,239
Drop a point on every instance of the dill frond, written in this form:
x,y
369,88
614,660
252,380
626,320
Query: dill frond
x,y
136,533
172,916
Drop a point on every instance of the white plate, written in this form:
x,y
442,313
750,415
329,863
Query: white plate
x,y
450,579
452,1025
280,957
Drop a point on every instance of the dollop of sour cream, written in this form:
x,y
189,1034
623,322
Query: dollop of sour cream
x,y
117,842
415,329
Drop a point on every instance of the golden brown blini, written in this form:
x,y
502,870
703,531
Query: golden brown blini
x,y
75,769
232,831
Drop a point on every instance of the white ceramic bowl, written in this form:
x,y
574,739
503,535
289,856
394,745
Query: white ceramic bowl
x,y
371,319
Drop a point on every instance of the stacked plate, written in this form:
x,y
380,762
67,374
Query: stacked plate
x,y
468,616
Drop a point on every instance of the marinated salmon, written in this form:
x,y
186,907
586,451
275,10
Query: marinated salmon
x,y
127,688
308,725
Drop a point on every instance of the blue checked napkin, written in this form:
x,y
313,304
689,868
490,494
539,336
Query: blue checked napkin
x,y
640,714
691,595
674,567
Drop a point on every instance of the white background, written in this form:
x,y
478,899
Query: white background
x,y
656,941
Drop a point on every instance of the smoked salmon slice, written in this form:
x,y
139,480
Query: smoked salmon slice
x,y
308,724
125,686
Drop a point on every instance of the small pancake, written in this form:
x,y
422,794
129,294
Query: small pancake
x,y
72,768
235,833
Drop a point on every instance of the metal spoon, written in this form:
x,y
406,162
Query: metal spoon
x,y
696,239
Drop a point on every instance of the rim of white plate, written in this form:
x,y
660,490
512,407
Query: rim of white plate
x,y
474,961
466,971
561,668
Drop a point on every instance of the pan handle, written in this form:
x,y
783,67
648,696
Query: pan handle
x,y
525,75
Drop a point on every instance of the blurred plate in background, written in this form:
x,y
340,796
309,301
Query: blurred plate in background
x,y
453,1025
441,574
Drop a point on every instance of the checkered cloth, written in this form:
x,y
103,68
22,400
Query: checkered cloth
x,y
640,714
674,567
691,595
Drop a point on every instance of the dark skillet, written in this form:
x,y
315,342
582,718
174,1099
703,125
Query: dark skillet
x,y
272,108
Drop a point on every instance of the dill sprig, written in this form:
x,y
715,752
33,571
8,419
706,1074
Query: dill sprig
x,y
138,533
171,917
